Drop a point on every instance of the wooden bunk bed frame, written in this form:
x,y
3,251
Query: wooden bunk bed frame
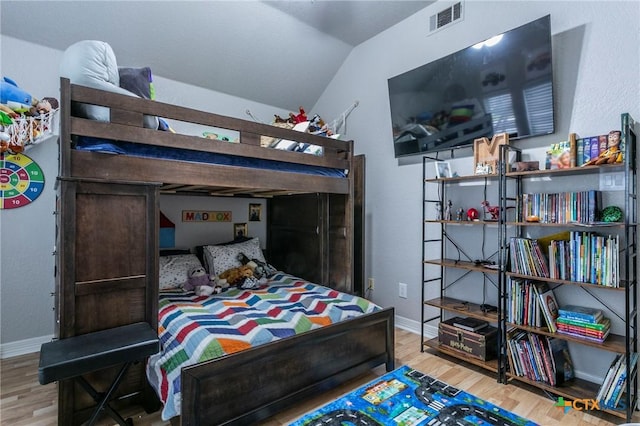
x,y
99,286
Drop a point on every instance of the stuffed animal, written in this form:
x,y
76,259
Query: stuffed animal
x,y
298,118
235,275
260,269
197,277
242,277
13,96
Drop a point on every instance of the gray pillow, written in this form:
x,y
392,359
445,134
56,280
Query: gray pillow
x,y
137,80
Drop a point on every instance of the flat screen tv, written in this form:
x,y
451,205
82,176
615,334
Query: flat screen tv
x,y
501,85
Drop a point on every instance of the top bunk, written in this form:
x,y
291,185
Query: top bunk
x,y
124,150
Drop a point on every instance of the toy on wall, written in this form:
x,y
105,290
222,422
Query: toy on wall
x,y
21,180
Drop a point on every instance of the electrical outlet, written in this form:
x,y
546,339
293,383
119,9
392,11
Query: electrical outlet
x,y
372,284
612,181
402,290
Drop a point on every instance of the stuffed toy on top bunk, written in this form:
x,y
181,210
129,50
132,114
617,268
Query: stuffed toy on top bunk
x,y
93,64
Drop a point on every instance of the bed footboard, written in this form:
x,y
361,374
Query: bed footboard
x,y
257,383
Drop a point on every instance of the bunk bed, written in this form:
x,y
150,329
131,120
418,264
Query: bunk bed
x,y
107,250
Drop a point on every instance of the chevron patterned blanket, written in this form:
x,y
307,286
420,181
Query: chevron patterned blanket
x,y
193,329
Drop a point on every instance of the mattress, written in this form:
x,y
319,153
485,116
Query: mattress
x,y
86,143
194,328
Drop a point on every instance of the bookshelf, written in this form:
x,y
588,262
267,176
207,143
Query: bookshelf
x,y
617,296
446,262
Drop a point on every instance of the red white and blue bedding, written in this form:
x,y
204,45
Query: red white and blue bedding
x,y
194,328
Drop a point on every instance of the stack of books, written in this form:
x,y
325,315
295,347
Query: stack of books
x,y
615,381
583,323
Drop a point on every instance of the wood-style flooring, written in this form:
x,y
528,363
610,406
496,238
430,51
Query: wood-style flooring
x,y
25,402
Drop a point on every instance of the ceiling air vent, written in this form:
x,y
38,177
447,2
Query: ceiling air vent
x,y
445,17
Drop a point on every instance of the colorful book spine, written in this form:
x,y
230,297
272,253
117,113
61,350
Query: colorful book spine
x,y
580,336
600,326
580,313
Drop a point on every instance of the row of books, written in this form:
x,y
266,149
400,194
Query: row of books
x,y
583,323
614,384
539,358
561,207
527,257
586,257
531,304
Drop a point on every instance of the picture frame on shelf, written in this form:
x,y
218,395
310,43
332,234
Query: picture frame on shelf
x,y
443,169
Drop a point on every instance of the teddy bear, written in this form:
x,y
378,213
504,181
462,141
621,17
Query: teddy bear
x,y
241,276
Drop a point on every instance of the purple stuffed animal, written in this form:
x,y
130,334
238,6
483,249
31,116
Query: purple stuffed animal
x,y
197,277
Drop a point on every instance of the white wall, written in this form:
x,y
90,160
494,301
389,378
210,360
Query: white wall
x,y
27,233
596,73
190,234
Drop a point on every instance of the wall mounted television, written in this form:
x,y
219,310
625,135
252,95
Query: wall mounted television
x,y
501,85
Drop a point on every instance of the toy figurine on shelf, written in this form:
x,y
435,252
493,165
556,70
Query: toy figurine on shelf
x,y
612,154
447,211
459,214
492,210
438,210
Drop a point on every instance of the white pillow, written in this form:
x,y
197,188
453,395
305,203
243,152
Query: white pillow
x,y
221,258
174,270
92,63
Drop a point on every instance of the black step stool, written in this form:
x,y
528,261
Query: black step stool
x,y
72,357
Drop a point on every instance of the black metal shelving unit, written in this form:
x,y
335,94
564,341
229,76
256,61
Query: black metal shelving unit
x,y
435,235
435,241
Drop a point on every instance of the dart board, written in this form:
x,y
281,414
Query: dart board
x,y
21,180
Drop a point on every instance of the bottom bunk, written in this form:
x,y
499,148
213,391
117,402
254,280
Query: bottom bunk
x,y
245,354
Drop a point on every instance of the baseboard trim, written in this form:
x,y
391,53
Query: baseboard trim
x,y
23,347
413,326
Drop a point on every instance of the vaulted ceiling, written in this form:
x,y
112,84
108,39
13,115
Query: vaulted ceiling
x,y
281,53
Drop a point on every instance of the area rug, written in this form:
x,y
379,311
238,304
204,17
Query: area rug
x,y
408,397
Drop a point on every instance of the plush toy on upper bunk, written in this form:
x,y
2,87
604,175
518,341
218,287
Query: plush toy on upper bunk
x,y
93,64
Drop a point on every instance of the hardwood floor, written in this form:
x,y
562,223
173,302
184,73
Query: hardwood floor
x,y
25,402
